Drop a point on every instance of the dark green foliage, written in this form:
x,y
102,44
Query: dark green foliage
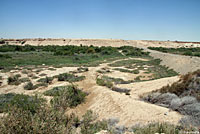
x,y
183,51
13,80
66,96
5,56
59,55
25,102
70,77
47,80
133,51
29,86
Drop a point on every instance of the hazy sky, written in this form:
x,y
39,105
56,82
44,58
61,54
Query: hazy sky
x,y
117,19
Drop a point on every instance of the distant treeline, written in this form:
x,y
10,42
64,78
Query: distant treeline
x,y
183,51
73,50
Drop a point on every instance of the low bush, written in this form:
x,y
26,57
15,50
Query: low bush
x,y
47,80
70,77
66,96
13,80
29,86
103,82
45,120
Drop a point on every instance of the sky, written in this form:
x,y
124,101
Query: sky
x,y
116,19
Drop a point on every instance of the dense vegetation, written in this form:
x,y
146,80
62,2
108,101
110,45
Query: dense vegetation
x,y
12,55
183,51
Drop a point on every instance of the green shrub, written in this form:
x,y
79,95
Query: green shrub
x,y
25,102
45,120
66,96
103,82
70,77
13,80
47,80
29,86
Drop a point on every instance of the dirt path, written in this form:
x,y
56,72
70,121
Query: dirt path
x,y
128,108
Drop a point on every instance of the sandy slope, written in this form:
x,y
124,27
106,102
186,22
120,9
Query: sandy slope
x,y
129,109
180,63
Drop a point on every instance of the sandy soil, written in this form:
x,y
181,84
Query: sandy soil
x,y
180,63
128,108
103,42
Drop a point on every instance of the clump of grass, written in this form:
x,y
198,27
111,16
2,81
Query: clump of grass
x,y
47,80
103,82
14,80
70,77
66,96
29,86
